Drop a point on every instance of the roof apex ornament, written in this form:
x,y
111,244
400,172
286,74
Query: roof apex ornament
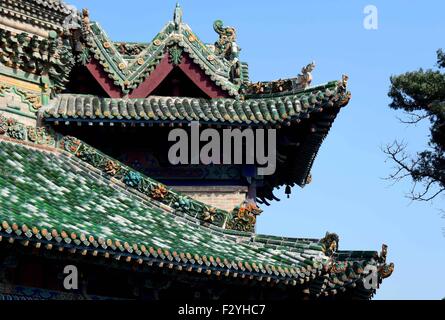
x,y
385,270
226,45
72,20
177,16
330,243
86,18
306,75
344,81
383,253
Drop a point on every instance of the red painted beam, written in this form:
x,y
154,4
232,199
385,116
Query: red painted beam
x,y
198,76
162,70
154,79
97,70
190,68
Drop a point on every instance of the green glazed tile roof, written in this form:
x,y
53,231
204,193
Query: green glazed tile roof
x,y
316,107
128,65
48,14
52,198
278,110
51,190
58,192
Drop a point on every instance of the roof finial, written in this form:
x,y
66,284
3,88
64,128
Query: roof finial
x,y
306,75
177,16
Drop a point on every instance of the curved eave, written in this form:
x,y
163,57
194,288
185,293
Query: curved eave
x,y
275,112
294,262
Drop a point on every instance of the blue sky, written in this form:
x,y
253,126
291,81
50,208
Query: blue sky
x,y
348,195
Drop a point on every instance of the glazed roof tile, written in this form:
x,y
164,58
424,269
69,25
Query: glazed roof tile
x,y
55,199
52,190
276,110
129,64
317,107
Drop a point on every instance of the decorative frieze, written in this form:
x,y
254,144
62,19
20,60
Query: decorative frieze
x,y
147,186
19,103
12,128
51,57
244,217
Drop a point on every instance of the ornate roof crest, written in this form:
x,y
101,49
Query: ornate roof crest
x,y
226,45
177,16
305,77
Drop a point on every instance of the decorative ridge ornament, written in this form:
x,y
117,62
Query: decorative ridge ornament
x,y
177,16
344,81
244,217
51,57
227,48
140,58
385,270
175,52
226,45
342,84
111,167
209,214
72,20
159,192
86,19
383,253
330,243
306,75
296,84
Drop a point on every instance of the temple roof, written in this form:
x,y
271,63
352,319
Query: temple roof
x,y
57,191
313,110
277,110
128,65
129,73
57,200
78,200
45,14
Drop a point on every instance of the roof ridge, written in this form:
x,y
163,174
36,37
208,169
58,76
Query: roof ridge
x,y
128,75
264,97
46,138
31,145
84,239
131,178
278,261
284,239
77,161
146,198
